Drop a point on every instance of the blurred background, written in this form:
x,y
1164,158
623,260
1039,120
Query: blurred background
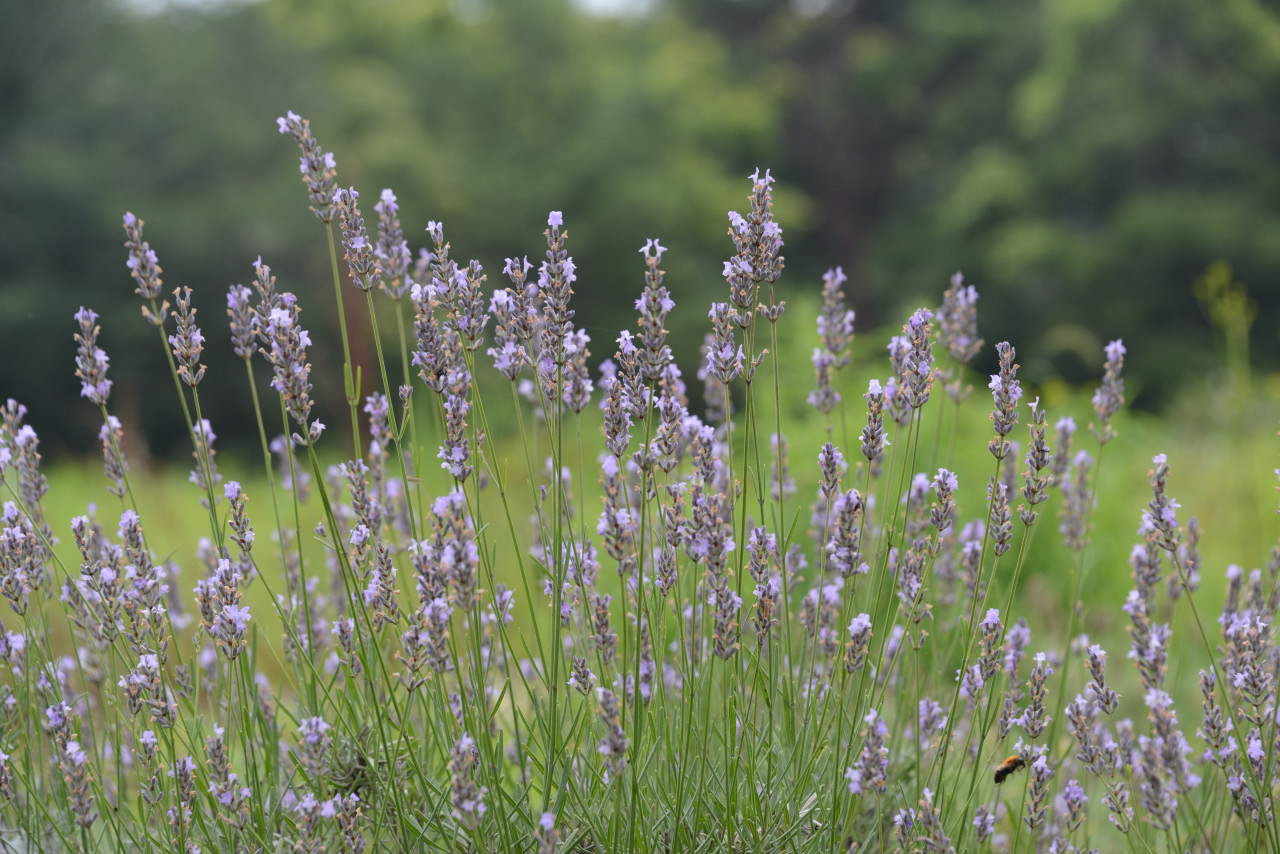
x,y
1098,168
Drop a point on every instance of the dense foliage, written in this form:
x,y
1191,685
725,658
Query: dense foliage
x,y
782,629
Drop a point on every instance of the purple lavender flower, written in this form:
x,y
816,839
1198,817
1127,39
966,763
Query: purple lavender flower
x,y
1038,802
1001,517
1109,397
958,321
1016,641
575,376
316,165
205,475
114,466
757,240
992,629
75,771
1065,429
931,826
314,746
515,317
855,649
392,250
426,642
984,823
654,304
189,342
824,398
873,438
1107,698
241,317
726,604
288,356
546,834
556,276
613,747
843,538
431,356
918,367
724,361
868,776
91,360
1076,504
1007,391
835,322
220,598
895,390
942,512
1161,513
467,304
143,265
365,272
1034,720
833,467
581,678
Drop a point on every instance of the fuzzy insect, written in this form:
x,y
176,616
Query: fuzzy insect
x,y
1008,766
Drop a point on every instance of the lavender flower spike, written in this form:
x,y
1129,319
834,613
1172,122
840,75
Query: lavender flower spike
x,y
392,250
142,263
1006,391
653,305
288,355
365,272
1161,513
189,342
1109,397
317,166
144,268
91,360
835,322
958,321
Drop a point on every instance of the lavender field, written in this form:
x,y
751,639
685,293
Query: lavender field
x,y
826,594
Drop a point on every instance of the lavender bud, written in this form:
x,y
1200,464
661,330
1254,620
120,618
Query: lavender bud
x,y
241,317
831,461
873,438
942,512
143,266
392,250
1108,699
91,360
1161,511
613,747
835,322
1038,803
1006,391
189,342
365,272
1034,721
653,305
1001,517
114,466
1036,481
958,321
724,362
855,650
824,398
1109,397
316,165
467,797
288,356
917,367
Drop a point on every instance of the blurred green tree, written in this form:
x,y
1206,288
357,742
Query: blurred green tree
x,y
1082,162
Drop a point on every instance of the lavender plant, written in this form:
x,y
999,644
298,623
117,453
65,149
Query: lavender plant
x,y
393,661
